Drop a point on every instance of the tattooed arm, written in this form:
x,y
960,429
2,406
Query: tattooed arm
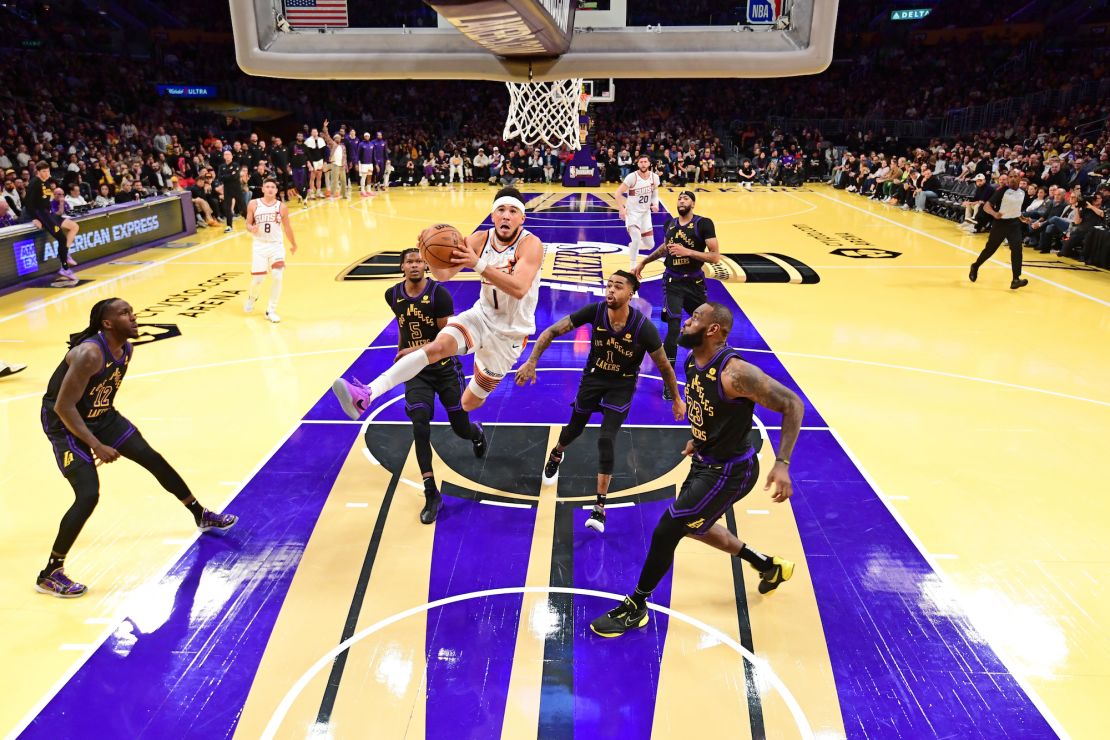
x,y
658,253
678,406
527,371
743,380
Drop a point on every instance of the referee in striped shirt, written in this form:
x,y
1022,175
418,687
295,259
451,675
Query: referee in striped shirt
x,y
1005,207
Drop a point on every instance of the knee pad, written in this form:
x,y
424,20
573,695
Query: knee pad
x,y
87,502
605,456
420,415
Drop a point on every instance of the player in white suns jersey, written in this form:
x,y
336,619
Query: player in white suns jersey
x,y
637,199
268,223
495,329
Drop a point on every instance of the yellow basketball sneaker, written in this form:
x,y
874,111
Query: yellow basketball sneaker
x,y
780,571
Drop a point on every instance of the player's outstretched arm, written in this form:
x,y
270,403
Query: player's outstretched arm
x,y
744,380
678,406
527,371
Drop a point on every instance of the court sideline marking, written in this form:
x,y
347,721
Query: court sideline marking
x,y
957,595
126,607
972,252
761,665
101,282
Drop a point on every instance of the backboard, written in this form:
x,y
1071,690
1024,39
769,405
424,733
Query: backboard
x,y
611,39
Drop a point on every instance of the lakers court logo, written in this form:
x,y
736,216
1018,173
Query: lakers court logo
x,y
584,241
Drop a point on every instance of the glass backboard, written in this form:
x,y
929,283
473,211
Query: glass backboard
x,y
407,39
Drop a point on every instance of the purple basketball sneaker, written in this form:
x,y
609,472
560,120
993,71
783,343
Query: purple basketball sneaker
x,y
353,397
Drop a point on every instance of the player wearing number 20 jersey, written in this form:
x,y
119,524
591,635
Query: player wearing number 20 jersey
x,y
637,199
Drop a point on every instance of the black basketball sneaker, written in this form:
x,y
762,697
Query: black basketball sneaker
x,y
616,622
597,520
551,469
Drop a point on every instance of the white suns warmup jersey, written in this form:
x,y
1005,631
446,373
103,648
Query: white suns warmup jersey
x,y
268,219
501,311
640,192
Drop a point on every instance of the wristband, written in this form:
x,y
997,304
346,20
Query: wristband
x,y
481,265
782,460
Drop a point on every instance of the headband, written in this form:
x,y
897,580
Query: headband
x,y
689,194
508,200
635,283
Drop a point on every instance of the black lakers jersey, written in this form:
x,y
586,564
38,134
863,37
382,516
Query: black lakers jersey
x,y
418,317
692,236
720,425
616,354
37,200
100,392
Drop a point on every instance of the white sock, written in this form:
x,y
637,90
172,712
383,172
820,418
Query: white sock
x,y
407,368
275,287
256,287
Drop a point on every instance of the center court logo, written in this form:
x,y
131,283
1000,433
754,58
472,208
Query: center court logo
x,y
584,265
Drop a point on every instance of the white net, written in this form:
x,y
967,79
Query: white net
x,y
560,11
544,112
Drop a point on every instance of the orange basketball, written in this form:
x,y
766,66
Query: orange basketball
x,y
437,242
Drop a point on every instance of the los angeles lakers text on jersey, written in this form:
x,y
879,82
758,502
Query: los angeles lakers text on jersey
x,y
100,392
692,235
616,351
418,316
720,425
415,322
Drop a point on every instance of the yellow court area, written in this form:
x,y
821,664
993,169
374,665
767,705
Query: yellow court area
x,y
977,414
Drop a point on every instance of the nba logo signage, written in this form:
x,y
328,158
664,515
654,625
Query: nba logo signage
x,y
764,11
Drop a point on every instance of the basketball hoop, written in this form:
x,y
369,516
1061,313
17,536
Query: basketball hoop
x,y
546,112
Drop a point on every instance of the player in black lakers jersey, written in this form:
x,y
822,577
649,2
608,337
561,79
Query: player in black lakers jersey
x,y
59,228
620,336
422,307
80,420
721,393
689,241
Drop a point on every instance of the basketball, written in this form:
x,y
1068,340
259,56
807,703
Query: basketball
x,y
437,242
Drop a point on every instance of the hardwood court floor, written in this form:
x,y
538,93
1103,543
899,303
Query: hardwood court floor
x,y
949,521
